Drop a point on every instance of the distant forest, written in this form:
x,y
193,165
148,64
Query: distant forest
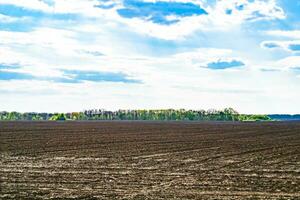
x,y
227,114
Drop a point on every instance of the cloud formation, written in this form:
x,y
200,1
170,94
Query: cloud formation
x,y
159,12
17,72
142,53
292,46
270,45
219,65
94,76
168,20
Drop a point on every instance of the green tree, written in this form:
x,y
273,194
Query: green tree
x,y
59,117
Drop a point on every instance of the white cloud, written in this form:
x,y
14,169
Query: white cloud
x,y
201,56
289,62
256,10
43,51
193,89
173,78
284,65
285,45
294,34
8,19
29,4
216,18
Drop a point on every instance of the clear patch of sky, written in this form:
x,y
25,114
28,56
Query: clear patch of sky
x,y
157,12
139,44
49,2
291,22
294,47
8,75
5,75
292,10
70,76
103,6
240,7
228,11
255,33
9,66
266,24
219,65
271,45
295,70
31,18
16,11
19,26
96,76
149,45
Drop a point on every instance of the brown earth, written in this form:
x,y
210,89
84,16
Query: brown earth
x,y
149,160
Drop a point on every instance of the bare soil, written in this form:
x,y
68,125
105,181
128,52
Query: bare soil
x,y
149,160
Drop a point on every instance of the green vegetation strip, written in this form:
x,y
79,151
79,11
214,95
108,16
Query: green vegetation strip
x,y
228,114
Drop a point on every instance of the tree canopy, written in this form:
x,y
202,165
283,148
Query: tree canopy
x,y
227,114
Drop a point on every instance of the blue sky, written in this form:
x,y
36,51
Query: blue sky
x,y
150,54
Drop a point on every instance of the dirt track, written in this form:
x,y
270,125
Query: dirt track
x,y
149,160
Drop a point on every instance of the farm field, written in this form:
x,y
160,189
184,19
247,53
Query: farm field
x,y
149,160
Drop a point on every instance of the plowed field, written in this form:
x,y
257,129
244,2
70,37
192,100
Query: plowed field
x,y
149,160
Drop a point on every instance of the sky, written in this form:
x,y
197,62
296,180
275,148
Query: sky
x,y
72,55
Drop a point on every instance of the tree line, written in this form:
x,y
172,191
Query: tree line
x,y
227,114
